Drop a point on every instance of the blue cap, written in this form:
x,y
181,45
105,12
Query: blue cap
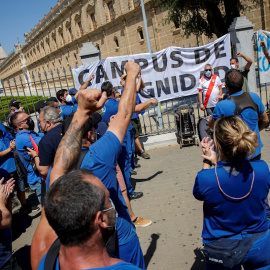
x,y
72,91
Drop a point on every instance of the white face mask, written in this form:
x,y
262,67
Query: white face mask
x,y
233,66
68,98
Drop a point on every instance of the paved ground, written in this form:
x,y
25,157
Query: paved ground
x,y
173,241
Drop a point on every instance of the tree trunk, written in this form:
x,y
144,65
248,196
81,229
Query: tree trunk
x,y
215,20
232,11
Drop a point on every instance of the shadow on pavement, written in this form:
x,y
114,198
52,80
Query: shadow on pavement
x,y
148,178
23,258
151,249
199,262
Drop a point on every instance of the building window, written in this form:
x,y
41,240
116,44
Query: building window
x,y
111,10
137,3
80,27
93,19
116,42
140,32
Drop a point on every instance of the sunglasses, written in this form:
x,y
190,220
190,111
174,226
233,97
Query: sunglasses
x,y
208,69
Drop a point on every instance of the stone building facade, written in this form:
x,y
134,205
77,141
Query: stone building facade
x,y
115,27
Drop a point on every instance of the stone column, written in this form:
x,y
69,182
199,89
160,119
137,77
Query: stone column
x,y
241,31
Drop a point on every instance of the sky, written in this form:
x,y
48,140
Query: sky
x,y
18,17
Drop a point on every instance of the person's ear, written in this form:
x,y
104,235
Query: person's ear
x,y
101,220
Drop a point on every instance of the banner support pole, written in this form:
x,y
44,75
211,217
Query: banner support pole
x,y
160,120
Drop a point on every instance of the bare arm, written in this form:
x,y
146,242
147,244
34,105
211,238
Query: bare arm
x,y
42,169
138,85
142,106
70,146
86,84
211,122
263,121
127,103
8,150
249,61
5,190
201,101
266,53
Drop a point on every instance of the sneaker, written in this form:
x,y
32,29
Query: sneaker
x,y
133,172
136,195
136,166
141,222
35,208
144,154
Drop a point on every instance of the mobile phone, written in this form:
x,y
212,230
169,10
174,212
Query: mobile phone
x,y
25,147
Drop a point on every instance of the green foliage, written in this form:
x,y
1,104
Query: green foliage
x,y
204,16
26,103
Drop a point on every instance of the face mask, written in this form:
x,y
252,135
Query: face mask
x,y
68,99
233,66
30,123
208,73
103,110
113,220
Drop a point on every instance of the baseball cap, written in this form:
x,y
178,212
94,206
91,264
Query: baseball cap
x,y
14,103
72,91
41,104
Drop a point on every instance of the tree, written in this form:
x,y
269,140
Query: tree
x,y
204,16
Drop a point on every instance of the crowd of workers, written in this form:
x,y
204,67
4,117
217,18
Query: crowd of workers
x,y
80,161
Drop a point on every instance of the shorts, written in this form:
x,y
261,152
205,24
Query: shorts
x,y
19,183
137,128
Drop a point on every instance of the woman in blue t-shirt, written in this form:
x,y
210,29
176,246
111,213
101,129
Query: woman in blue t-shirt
x,y
233,193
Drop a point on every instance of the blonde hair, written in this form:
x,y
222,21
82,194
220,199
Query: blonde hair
x,y
233,139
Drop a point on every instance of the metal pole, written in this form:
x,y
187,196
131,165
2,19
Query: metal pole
x,y
146,28
160,120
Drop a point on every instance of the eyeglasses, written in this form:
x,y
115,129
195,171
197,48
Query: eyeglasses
x,y
208,69
25,120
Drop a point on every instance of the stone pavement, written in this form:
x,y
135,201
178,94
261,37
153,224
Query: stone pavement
x,y
173,241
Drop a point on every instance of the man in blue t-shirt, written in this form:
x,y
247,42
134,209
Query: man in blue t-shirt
x,y
25,126
256,120
79,236
66,103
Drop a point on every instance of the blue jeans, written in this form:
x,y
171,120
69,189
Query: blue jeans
x,y
37,188
258,257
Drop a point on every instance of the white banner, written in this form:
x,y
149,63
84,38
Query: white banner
x,y
263,64
170,73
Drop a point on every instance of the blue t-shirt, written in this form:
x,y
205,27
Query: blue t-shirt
x,y
67,110
225,217
5,244
111,109
7,163
101,161
23,139
118,266
227,107
48,145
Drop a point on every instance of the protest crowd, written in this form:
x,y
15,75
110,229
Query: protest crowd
x,y
80,156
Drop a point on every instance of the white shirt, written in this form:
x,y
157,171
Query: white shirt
x,y
204,83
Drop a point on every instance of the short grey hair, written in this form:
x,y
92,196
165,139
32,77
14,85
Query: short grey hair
x,y
51,114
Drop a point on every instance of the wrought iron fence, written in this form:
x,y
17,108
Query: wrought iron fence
x,y
30,89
